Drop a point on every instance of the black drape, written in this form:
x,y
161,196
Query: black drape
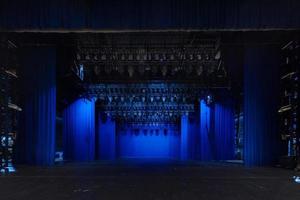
x,y
149,14
260,104
36,137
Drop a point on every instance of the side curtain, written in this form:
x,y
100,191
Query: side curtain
x,y
224,130
261,80
216,131
36,137
207,140
79,130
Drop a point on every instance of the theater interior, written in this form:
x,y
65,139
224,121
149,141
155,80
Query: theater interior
x,y
149,100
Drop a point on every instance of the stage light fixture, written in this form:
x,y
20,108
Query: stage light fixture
x,y
218,55
209,99
199,57
207,56
103,57
171,57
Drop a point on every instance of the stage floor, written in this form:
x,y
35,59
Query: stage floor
x,y
144,180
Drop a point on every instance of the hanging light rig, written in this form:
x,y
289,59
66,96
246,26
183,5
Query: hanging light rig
x,y
132,80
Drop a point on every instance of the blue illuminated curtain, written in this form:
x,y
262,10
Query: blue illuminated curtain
x,y
216,131
260,104
224,130
207,143
184,151
79,130
194,135
106,137
36,137
145,14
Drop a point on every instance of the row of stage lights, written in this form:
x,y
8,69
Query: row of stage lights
x,y
170,100
150,132
86,56
154,115
144,99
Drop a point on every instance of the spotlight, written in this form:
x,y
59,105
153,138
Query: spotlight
x,y
207,57
218,55
171,57
80,72
199,57
199,70
103,57
209,99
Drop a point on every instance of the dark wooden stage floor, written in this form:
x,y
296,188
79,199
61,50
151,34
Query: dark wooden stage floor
x,y
142,180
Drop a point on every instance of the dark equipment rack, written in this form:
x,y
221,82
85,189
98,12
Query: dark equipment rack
x,y
289,104
8,104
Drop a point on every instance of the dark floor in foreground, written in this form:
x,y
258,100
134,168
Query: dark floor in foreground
x,y
143,180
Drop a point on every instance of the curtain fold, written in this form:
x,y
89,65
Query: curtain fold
x,y
217,130
36,138
184,139
261,94
106,135
79,130
224,130
207,143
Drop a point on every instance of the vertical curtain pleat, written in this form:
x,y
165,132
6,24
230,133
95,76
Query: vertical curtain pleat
x,y
224,131
260,104
36,138
184,138
79,130
216,131
206,132
106,144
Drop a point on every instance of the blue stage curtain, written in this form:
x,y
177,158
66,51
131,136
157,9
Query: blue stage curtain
x,y
260,104
224,130
207,140
106,137
217,130
146,14
36,137
194,135
184,153
79,130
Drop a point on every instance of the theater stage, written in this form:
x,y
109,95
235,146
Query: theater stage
x,y
149,179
